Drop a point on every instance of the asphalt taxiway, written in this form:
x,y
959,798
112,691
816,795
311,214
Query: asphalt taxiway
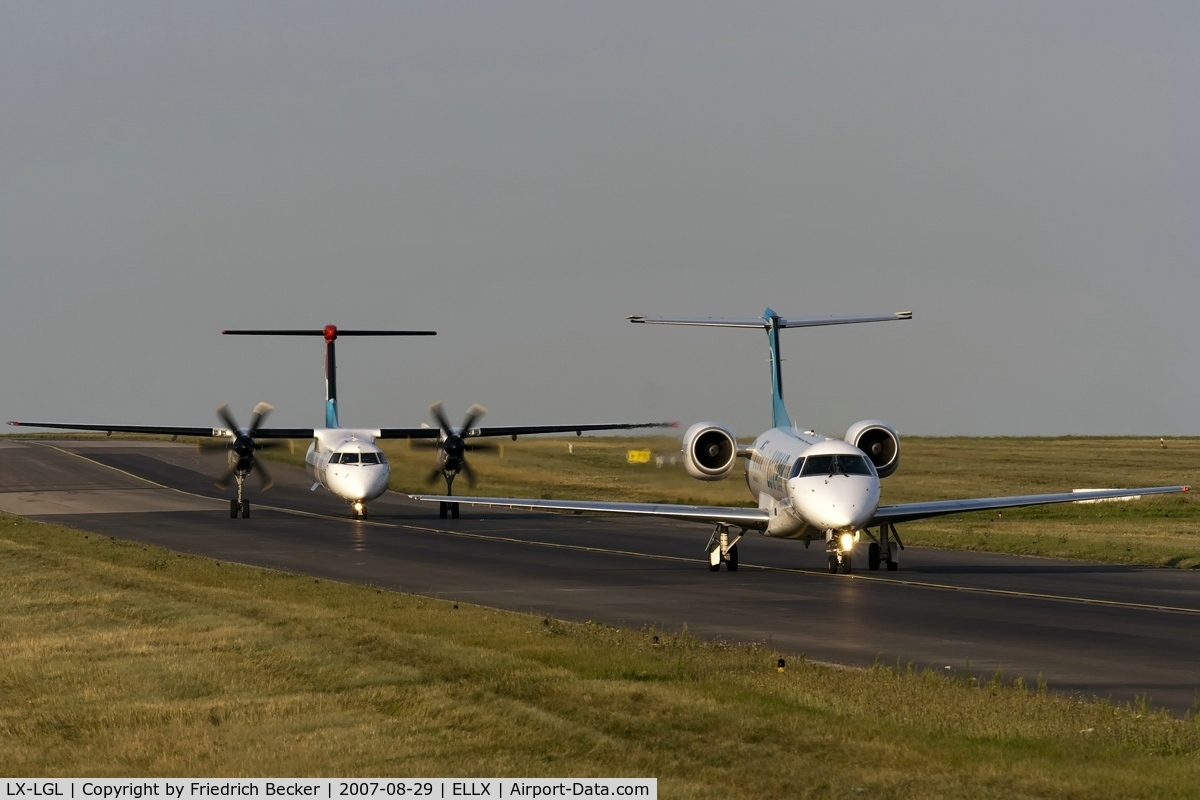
x,y
1092,629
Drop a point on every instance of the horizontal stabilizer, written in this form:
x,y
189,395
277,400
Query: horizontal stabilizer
x,y
764,323
324,332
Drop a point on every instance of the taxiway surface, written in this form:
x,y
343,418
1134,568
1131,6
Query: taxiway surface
x,y
1092,629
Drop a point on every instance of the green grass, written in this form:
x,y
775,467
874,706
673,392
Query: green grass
x,y
123,659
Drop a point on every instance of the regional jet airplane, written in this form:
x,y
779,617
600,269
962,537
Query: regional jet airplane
x,y
345,461
808,486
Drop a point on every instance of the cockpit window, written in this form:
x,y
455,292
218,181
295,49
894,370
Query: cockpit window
x,y
796,468
835,464
357,458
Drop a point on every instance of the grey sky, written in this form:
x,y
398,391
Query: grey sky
x,y
1024,177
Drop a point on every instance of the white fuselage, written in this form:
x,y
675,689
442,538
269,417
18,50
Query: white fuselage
x,y
811,484
348,463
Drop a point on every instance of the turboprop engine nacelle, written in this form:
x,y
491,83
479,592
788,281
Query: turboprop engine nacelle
x,y
709,451
879,441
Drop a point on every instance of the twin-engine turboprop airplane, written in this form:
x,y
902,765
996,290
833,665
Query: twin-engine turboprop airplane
x,y
808,486
345,461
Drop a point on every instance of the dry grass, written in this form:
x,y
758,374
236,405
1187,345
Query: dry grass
x,y
122,659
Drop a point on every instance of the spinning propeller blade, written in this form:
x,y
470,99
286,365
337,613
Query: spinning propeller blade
x,y
452,445
241,446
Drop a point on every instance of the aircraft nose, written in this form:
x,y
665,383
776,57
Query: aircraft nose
x,y
350,487
364,482
840,504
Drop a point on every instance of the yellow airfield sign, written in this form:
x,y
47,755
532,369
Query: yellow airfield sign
x,y
638,456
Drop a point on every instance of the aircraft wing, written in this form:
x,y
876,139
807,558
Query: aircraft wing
x,y
408,433
521,430
168,430
906,512
741,517
757,518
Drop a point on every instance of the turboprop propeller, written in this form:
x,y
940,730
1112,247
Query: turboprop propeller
x,y
240,450
452,445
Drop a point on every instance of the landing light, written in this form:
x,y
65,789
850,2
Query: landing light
x,y
848,540
358,507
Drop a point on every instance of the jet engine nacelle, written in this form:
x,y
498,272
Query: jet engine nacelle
x,y
879,441
709,451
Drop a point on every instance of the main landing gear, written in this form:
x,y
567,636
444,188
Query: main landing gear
x,y
239,504
885,549
722,549
448,508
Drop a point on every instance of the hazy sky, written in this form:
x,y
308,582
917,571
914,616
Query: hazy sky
x,y
521,176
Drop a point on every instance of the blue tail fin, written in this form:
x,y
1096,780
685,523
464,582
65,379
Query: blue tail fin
x,y
779,414
331,418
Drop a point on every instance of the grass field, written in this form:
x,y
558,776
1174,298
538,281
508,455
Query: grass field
x,y
118,659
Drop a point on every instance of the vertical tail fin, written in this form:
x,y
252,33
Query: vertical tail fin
x,y
779,415
331,417
330,334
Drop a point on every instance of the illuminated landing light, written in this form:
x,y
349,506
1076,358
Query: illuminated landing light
x,y
848,540
358,507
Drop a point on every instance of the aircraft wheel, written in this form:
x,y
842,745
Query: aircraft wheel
x,y
873,557
833,564
454,510
442,510
714,567
233,509
731,560
245,509
846,565
893,566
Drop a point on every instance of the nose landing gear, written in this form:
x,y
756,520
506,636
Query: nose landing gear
x,y
840,547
